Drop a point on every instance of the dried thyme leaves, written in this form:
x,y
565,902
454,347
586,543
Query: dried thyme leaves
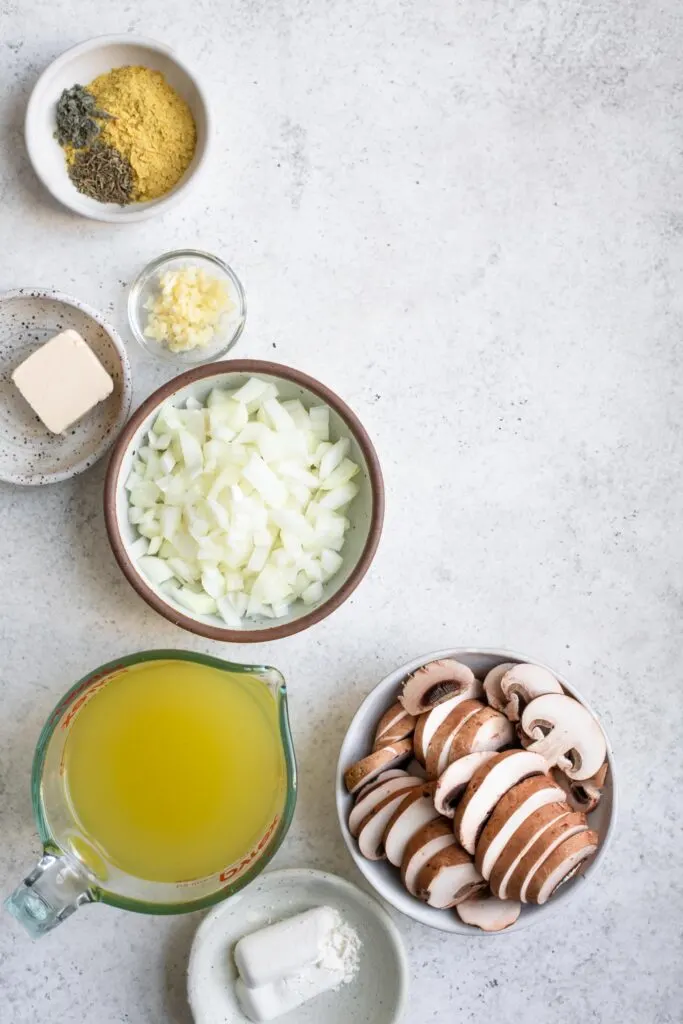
x,y
103,174
77,112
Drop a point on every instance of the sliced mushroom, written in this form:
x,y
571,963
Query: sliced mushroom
x,y
394,725
522,683
417,809
374,798
511,811
372,829
448,878
494,694
428,724
390,773
443,737
431,838
561,865
489,730
370,767
416,769
516,847
566,734
583,796
434,683
488,784
489,913
453,781
544,844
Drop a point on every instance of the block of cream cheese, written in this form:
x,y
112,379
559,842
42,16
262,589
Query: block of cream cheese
x,y
62,381
267,1002
286,947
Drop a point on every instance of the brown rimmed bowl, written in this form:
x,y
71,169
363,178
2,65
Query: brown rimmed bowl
x,y
366,512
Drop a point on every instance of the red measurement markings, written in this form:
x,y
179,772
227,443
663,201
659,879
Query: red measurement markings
x,y
237,869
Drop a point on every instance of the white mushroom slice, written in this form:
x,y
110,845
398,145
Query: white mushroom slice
x,y
566,734
434,683
416,810
369,801
494,694
565,827
489,913
489,730
390,773
520,843
371,831
444,735
511,811
453,781
561,865
431,838
522,683
428,723
583,796
449,877
488,784
370,767
394,725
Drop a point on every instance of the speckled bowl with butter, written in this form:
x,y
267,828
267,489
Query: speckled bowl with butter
x,y
29,453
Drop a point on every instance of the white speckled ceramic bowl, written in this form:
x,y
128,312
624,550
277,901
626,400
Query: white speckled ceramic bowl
x,y
366,512
29,453
377,993
80,65
384,878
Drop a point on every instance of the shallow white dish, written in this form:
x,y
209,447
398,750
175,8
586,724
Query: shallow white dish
x,y
378,992
80,65
29,453
384,878
365,513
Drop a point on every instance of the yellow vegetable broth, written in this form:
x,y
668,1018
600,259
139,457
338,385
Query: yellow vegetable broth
x,y
175,769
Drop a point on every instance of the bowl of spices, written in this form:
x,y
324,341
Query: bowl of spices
x,y
187,307
117,128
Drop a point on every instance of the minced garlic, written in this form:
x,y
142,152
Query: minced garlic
x,y
187,309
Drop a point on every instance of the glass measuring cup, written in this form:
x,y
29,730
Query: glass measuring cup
x,y
72,871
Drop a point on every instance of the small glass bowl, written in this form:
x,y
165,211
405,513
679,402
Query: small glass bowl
x,y
230,325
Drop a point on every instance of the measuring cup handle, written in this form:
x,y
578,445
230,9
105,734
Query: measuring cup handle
x,y
51,893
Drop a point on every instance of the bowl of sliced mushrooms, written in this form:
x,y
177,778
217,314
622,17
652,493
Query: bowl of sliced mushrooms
x,y
475,790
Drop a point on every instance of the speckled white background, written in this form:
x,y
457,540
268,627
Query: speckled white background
x,y
466,218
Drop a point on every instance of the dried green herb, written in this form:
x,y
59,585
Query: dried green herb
x,y
103,174
76,113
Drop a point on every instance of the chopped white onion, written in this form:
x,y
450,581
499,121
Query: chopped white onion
x,y
239,503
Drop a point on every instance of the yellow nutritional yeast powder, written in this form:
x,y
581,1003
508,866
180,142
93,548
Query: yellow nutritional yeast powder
x,y
175,769
151,126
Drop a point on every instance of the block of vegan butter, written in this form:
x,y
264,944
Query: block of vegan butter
x,y
63,380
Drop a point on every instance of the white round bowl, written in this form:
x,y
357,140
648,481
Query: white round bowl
x,y
377,993
80,65
384,878
366,511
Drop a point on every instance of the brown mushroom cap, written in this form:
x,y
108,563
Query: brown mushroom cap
x,y
429,722
511,811
431,838
494,695
563,863
488,730
394,725
415,810
389,773
488,784
369,800
448,878
434,683
544,844
582,796
446,732
370,767
521,842
489,913
372,829
453,782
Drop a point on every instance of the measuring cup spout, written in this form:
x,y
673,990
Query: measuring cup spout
x,y
51,893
